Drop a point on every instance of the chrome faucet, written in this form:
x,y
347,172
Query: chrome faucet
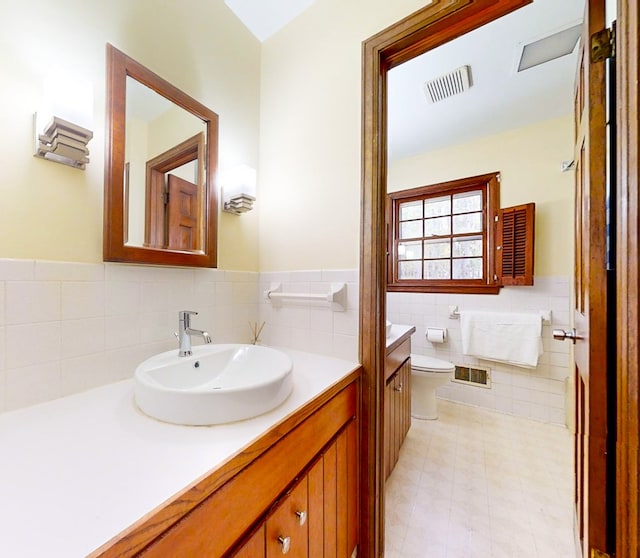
x,y
185,331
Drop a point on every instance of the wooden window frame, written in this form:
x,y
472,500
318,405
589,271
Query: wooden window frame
x,y
489,284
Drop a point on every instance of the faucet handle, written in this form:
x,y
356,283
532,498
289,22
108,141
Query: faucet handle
x,y
183,313
184,316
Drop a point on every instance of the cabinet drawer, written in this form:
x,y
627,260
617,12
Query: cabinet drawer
x,y
396,357
254,546
287,526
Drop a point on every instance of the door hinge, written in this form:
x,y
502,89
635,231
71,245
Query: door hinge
x,y
603,45
595,553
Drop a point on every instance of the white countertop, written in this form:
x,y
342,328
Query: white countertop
x,y
397,331
76,471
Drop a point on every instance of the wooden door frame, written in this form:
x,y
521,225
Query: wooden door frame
x,y
627,280
439,22
410,37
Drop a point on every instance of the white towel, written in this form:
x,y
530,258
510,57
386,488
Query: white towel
x,y
513,338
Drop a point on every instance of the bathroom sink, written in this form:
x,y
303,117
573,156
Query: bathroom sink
x,y
388,328
214,385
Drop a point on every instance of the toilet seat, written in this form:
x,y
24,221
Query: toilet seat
x,y
422,363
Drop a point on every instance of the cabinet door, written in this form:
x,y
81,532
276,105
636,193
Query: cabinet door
x,y
340,469
315,480
405,396
254,547
402,403
397,414
389,425
287,527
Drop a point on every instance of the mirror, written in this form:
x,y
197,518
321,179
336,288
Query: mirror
x,y
160,166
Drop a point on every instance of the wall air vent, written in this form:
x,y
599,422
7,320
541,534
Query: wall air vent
x,y
453,83
473,375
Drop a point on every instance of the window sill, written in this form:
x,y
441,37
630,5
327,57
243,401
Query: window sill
x,y
449,289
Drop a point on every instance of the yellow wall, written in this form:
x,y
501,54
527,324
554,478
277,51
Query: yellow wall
x,y
50,211
310,146
310,133
291,108
529,161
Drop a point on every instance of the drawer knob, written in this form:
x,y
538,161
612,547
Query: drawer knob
x,y
286,544
398,388
302,517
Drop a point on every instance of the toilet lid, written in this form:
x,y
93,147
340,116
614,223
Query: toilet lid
x,y
430,364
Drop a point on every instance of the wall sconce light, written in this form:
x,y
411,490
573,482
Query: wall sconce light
x,y
61,128
63,142
239,189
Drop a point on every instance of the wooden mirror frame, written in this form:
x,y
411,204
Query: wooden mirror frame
x,y
119,66
439,22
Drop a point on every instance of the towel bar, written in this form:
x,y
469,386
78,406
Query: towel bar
x,y
545,315
337,295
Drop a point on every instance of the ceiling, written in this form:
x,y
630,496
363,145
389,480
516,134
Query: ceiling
x,y
264,17
500,98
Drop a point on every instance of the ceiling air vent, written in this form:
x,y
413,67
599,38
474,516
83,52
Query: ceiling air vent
x,y
453,83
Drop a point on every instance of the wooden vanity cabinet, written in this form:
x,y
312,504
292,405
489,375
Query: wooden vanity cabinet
x,y
397,401
306,464
317,518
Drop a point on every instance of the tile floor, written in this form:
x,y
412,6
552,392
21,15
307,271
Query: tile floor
x,y
479,484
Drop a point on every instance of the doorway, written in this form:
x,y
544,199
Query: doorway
x,y
427,29
475,129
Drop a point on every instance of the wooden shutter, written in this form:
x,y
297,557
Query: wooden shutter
x,y
515,244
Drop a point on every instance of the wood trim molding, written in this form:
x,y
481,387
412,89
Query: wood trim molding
x,y
119,66
489,185
628,284
437,23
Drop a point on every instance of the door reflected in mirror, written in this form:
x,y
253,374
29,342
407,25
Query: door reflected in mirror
x,y
164,172
160,199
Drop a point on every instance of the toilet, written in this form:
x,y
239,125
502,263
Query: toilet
x,y
427,374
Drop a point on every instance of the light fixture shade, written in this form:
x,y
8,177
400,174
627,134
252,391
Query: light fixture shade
x,y
549,48
239,189
62,125
63,142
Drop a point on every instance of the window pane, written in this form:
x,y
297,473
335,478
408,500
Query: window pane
x,y
471,222
467,201
411,229
437,226
411,210
467,246
468,268
434,207
437,249
409,270
437,269
410,250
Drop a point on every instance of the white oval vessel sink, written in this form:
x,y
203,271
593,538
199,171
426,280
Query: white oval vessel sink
x,y
216,384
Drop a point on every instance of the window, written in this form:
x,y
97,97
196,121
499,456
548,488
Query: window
x,y
442,238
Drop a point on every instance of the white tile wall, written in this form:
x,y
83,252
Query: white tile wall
x,y
67,327
311,325
537,393
32,301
